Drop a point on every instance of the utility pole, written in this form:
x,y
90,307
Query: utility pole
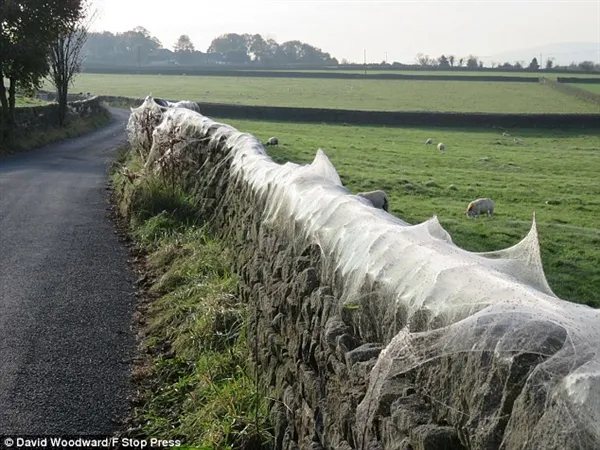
x,y
365,61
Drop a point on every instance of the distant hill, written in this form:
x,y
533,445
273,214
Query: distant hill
x,y
563,53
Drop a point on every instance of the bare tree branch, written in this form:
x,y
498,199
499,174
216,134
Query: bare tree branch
x,y
66,57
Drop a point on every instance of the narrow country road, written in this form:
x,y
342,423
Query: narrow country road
x,y
66,292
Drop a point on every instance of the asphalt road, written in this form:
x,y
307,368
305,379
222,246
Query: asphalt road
x,y
66,291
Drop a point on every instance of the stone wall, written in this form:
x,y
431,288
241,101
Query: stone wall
x,y
574,91
42,117
387,118
385,372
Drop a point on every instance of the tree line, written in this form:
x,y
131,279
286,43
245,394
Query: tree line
x,y
473,62
38,39
139,47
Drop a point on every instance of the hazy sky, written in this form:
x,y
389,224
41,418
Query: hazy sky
x,y
345,28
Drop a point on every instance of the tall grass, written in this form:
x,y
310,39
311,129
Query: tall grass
x,y
194,383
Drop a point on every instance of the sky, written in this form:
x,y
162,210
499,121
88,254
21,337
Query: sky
x,y
345,29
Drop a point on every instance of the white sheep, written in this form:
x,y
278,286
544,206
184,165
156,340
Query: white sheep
x,y
505,134
429,141
480,206
377,198
272,141
441,147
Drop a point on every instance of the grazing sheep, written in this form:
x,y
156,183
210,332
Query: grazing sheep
x,y
429,142
480,206
505,134
441,147
377,198
272,141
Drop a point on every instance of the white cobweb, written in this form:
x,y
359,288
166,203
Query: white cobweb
x,y
430,299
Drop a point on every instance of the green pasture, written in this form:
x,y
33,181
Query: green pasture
x,y
21,102
551,173
475,73
595,88
385,95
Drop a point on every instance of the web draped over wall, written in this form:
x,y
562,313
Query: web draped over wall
x,y
455,321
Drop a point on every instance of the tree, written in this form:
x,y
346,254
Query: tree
x,y
443,62
243,48
66,58
290,51
424,60
138,45
518,65
586,66
451,59
461,61
184,45
135,46
237,57
230,42
534,65
549,63
259,50
472,62
27,30
272,50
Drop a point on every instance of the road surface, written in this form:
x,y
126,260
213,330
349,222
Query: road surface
x,y
66,292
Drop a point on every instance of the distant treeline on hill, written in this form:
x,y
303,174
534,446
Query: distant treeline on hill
x,y
138,48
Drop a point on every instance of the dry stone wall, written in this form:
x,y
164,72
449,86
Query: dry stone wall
x,y
41,117
565,88
391,337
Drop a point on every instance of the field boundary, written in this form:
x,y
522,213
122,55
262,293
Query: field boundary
x,y
384,118
572,90
348,354
176,70
578,80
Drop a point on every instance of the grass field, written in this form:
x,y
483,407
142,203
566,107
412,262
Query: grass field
x,y
21,102
450,72
588,87
553,173
343,94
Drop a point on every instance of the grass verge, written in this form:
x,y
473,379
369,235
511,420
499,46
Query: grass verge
x,y
193,372
76,127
